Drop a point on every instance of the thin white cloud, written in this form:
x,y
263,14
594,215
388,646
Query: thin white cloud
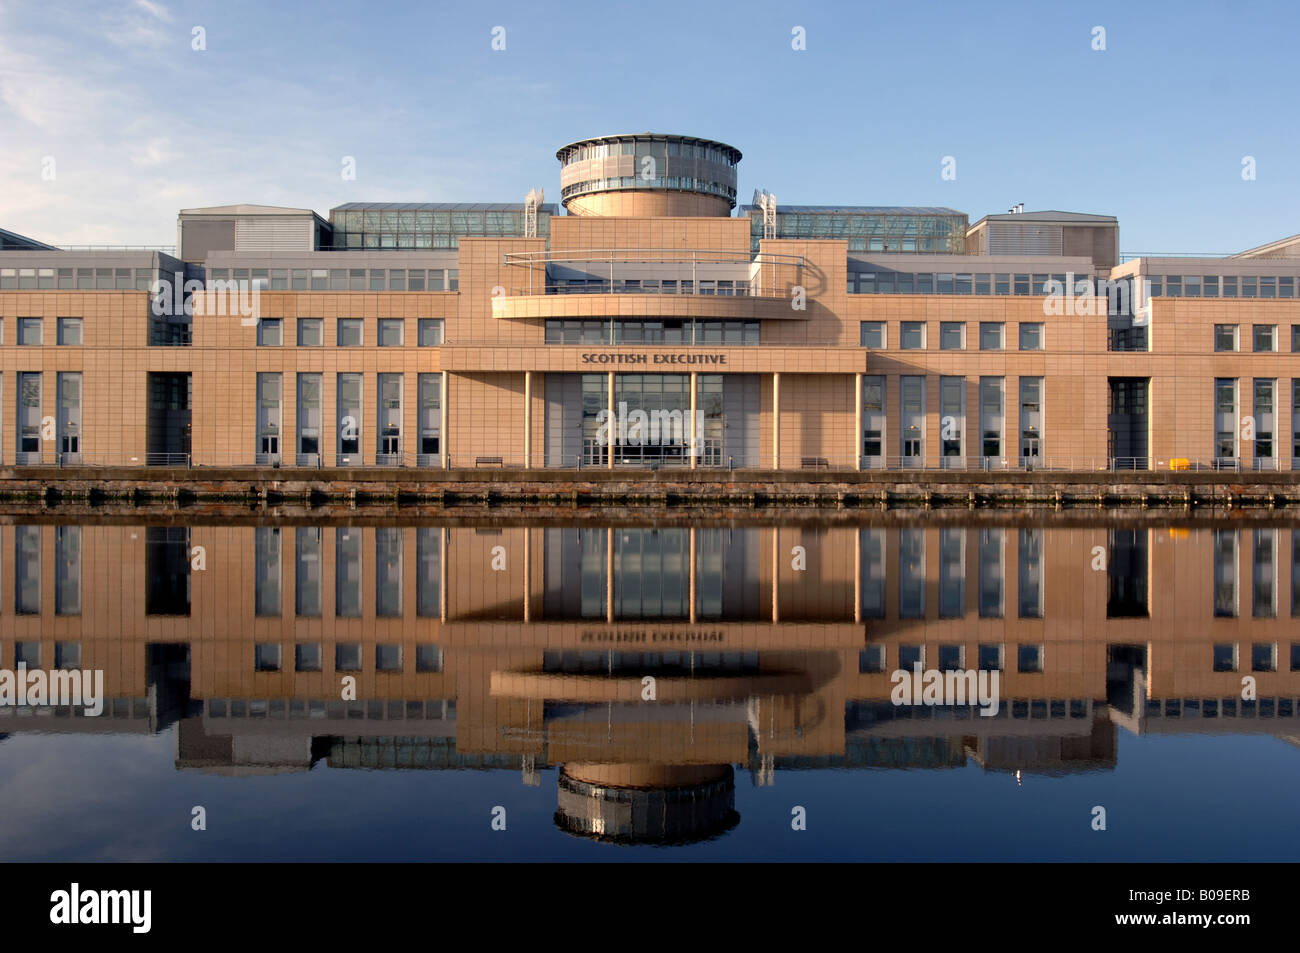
x,y
155,9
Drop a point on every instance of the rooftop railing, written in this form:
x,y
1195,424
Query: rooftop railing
x,y
606,261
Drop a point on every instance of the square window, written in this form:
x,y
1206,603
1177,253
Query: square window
x,y
70,331
270,332
428,658
307,657
1029,658
1225,337
67,655
952,658
910,656
990,658
1225,657
1265,337
1263,657
873,334
311,332
431,331
30,331
952,336
390,332
912,336
990,335
27,653
349,332
347,657
1031,337
871,660
388,658
266,656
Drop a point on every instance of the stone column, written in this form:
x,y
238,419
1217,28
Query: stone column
x,y
528,418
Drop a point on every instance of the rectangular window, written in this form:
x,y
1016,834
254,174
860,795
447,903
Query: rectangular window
x,y
388,572
27,570
1031,574
311,332
911,573
67,570
1225,418
1224,657
1264,574
270,332
347,657
912,336
952,335
347,572
70,331
430,417
390,332
991,657
266,657
348,446
307,572
991,416
428,658
431,331
871,660
309,419
872,570
30,331
390,419
307,657
952,574
1225,337
1029,658
1225,573
68,386
428,567
266,576
29,417
388,658
1031,337
991,335
349,332
67,655
1265,337
991,574
873,335
952,416
269,415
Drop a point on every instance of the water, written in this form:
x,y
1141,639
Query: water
x,y
639,692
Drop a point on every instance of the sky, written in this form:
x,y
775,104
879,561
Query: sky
x,y
116,114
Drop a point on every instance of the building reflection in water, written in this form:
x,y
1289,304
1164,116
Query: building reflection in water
x,y
650,664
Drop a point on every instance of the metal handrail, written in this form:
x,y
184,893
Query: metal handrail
x,y
593,455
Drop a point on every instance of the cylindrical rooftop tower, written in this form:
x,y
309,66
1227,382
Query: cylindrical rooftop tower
x,y
648,175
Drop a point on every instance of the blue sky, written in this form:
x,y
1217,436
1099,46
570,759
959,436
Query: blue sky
x,y
1153,129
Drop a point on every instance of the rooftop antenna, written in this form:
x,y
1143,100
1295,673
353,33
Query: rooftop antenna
x,y
534,198
766,202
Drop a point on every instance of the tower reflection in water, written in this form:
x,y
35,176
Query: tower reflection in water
x,y
650,664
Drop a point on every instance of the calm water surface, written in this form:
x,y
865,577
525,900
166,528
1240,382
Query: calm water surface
x,y
402,691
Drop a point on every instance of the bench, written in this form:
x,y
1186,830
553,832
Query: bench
x,y
488,462
814,463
